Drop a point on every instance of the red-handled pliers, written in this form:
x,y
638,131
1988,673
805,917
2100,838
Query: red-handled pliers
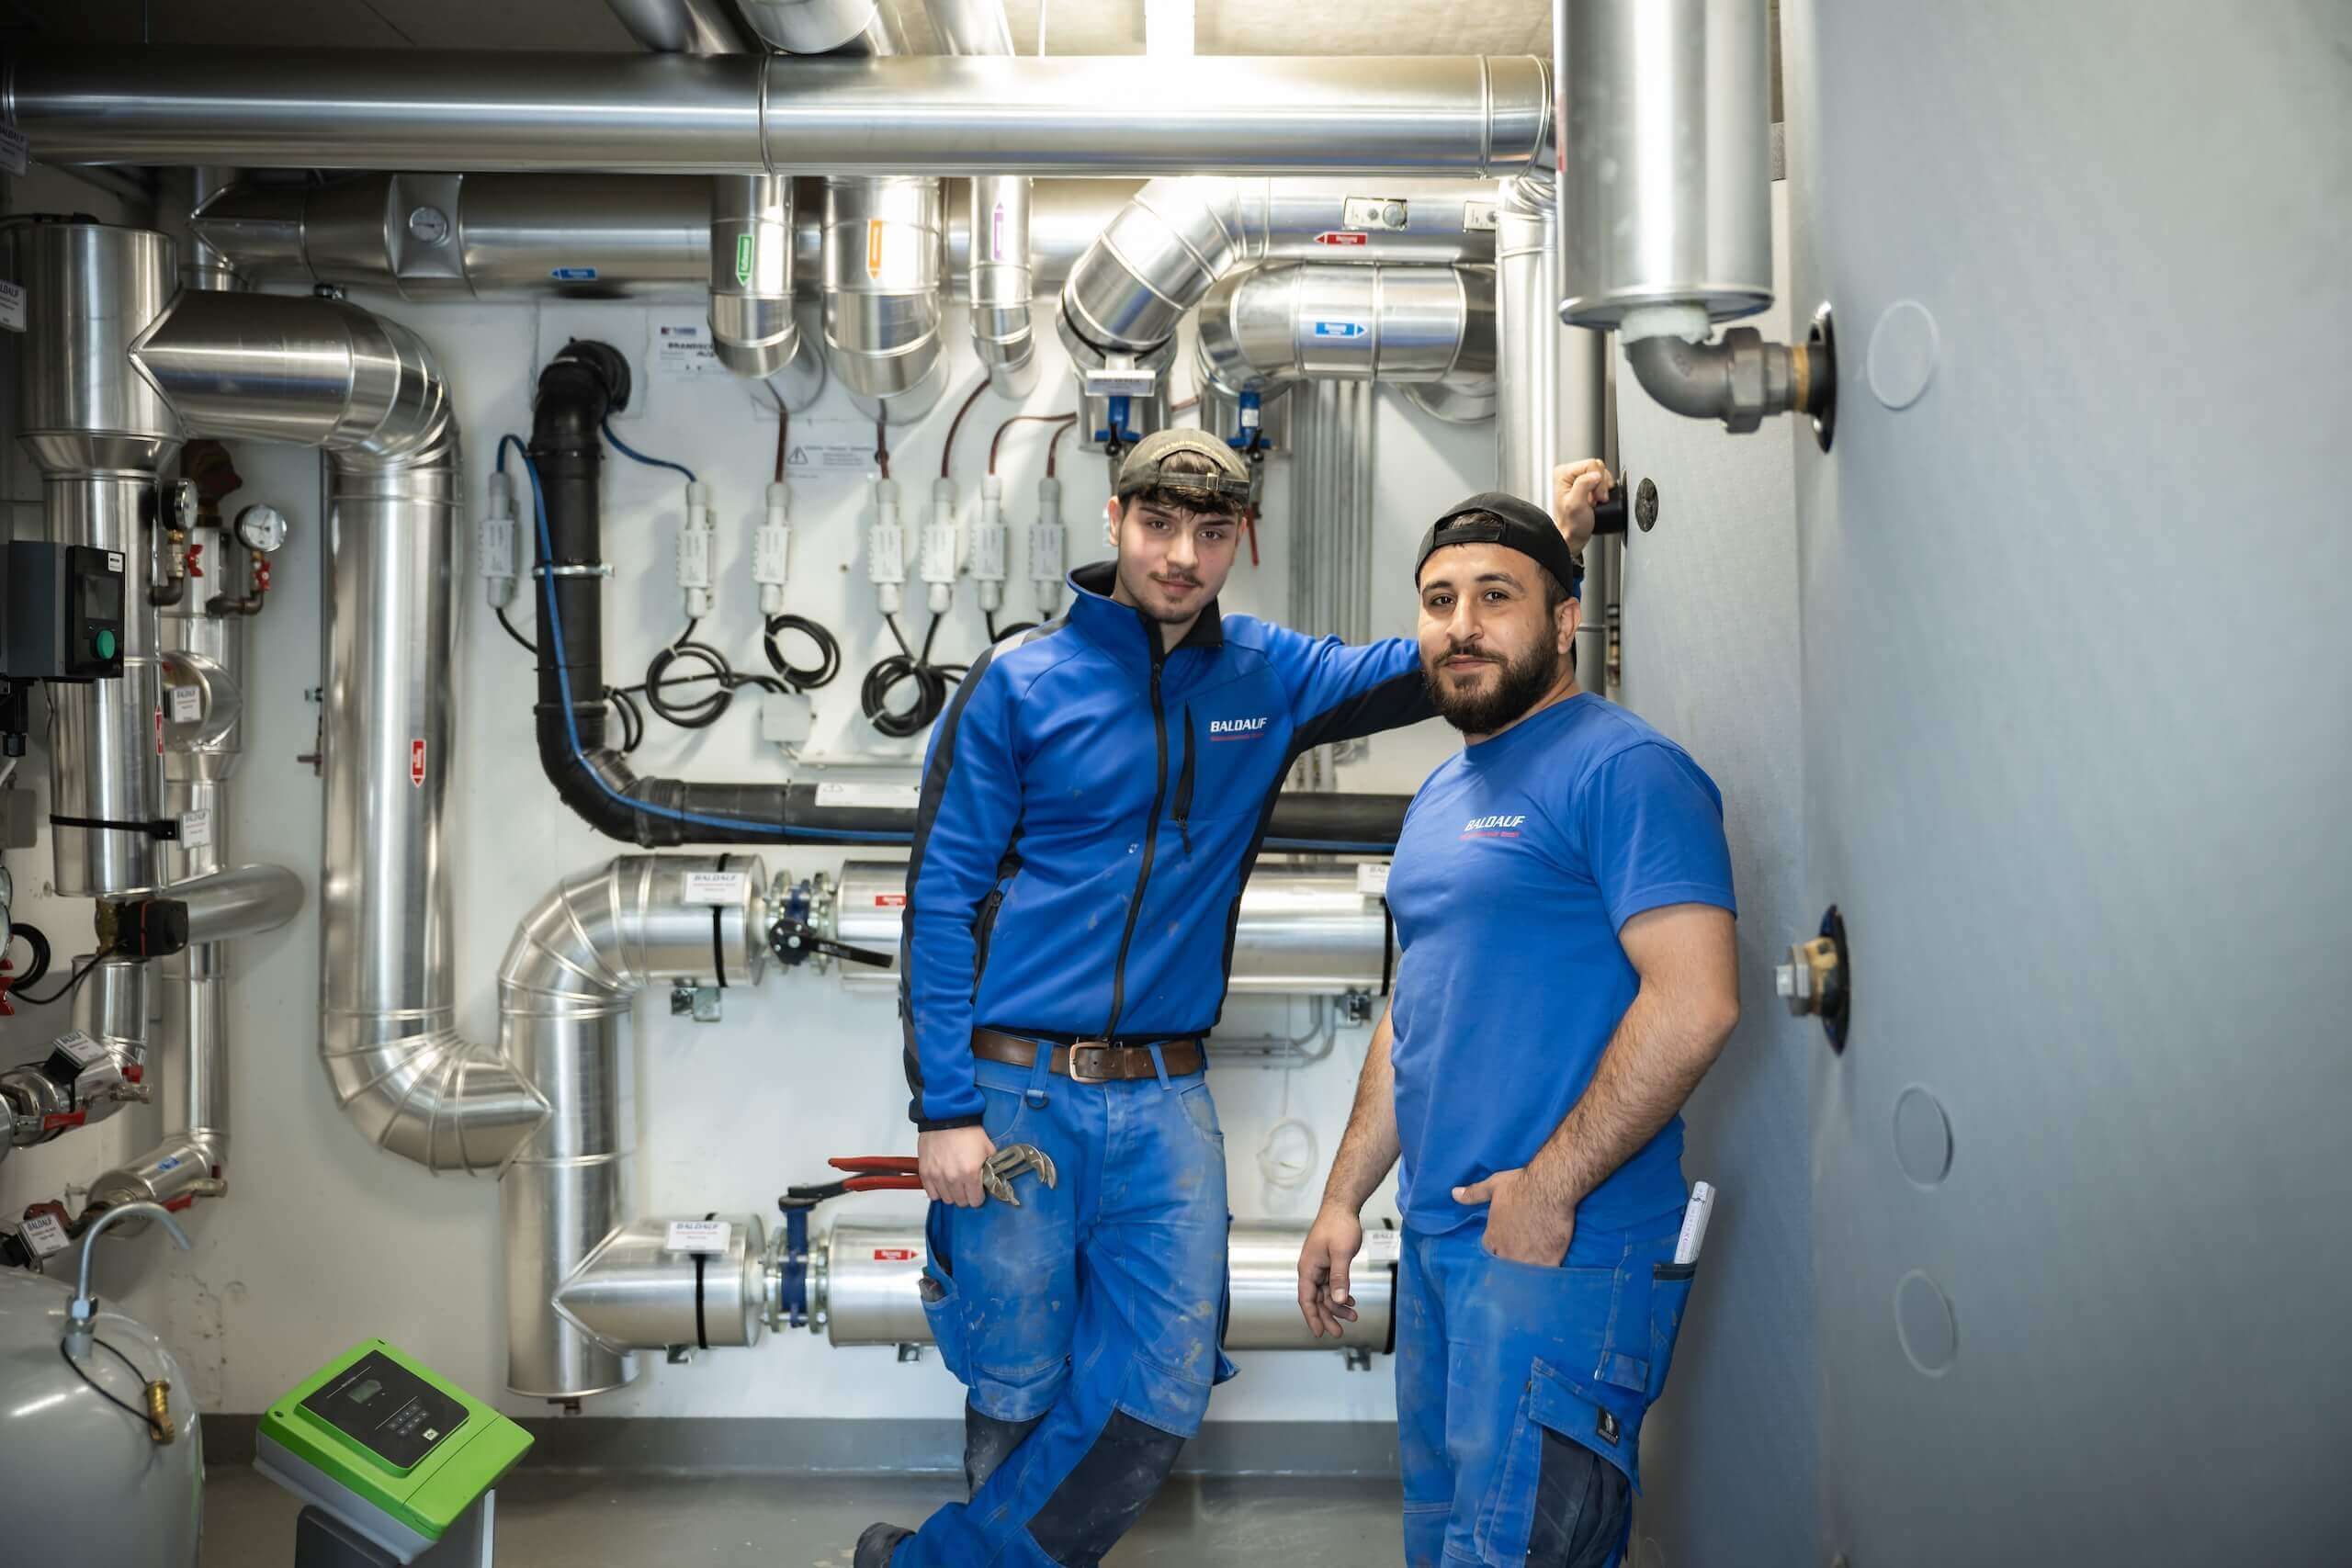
x,y
869,1173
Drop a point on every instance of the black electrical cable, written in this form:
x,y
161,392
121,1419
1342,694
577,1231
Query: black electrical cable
x,y
803,678
525,644
80,1371
700,713
930,681
997,634
37,940
81,973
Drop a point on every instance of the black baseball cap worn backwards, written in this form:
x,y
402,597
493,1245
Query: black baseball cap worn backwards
x,y
1511,523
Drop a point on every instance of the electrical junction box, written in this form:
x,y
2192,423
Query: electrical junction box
x,y
64,612
387,1447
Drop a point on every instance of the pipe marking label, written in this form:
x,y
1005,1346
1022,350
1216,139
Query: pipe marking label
x,y
187,704
894,1255
1340,328
573,274
883,796
996,233
416,761
1341,237
159,732
12,306
875,228
1383,1245
1371,878
889,900
743,257
699,1236
723,890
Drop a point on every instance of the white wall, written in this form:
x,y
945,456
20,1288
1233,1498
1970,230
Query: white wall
x,y
323,1240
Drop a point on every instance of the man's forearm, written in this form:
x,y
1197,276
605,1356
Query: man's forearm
x,y
1661,1050
1370,1148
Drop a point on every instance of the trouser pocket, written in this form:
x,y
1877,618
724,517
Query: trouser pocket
x,y
1669,1293
942,1305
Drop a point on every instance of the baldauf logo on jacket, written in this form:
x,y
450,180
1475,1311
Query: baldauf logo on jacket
x,y
1493,827
1237,728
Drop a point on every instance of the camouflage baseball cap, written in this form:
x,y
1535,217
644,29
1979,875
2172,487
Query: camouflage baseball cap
x,y
1228,479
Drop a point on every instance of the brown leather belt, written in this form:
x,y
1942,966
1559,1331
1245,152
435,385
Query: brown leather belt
x,y
1092,1061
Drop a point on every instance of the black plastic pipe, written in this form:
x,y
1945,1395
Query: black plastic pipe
x,y
579,388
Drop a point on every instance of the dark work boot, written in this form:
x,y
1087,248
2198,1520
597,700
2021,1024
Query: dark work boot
x,y
876,1547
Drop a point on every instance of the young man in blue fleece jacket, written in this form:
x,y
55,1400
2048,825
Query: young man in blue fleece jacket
x,y
1563,899
1093,802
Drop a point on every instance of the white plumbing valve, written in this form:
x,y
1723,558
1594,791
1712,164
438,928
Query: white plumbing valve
x,y
988,545
885,546
1048,548
772,550
939,547
695,541
495,551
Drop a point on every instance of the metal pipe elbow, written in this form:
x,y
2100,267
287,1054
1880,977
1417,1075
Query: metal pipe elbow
x,y
1739,380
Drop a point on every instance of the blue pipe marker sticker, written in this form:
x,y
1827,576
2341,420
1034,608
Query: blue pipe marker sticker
x,y
573,274
1338,329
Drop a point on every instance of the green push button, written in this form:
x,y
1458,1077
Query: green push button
x,y
104,643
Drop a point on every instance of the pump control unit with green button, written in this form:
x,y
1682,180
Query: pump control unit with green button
x,y
398,1466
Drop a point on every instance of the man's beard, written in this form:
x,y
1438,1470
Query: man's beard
x,y
1144,591
1476,712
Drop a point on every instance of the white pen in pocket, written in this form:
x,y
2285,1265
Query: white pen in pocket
x,y
1694,1222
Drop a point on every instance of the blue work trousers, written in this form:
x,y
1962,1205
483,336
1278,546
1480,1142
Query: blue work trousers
x,y
1521,1391
1086,1322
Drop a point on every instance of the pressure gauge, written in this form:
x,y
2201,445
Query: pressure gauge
x,y
261,529
183,506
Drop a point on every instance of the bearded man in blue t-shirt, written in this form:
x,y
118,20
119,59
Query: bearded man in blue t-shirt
x,y
1562,897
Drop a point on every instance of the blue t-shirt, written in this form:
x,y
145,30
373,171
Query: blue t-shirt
x,y
1521,860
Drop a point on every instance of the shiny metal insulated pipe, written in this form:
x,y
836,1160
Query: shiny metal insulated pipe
x,y
1463,115
751,325
1003,335
884,253
1266,328
564,994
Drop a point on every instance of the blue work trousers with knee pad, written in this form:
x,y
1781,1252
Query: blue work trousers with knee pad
x,y
1521,1391
1091,1313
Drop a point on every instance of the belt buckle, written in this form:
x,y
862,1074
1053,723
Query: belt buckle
x,y
1095,1050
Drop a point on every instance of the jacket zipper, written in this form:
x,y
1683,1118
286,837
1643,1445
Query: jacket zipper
x,y
1185,787
1151,839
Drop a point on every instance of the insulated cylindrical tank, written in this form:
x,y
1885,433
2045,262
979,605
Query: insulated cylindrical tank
x,y
1304,931
864,1285
88,1485
1668,176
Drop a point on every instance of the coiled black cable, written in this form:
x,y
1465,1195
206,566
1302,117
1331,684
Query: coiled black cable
x,y
699,712
38,940
931,682
799,677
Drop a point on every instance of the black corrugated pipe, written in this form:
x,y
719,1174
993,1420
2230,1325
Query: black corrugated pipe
x,y
579,388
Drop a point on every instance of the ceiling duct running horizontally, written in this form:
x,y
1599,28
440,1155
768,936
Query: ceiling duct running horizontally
x,y
1429,329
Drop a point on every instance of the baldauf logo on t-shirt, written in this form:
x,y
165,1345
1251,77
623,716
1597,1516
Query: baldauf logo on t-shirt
x,y
1237,728
1493,827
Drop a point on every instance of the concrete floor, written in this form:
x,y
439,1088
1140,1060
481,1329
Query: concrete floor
x,y
582,1520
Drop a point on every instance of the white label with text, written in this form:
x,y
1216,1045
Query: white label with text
x,y
43,1235
719,887
699,1236
1371,878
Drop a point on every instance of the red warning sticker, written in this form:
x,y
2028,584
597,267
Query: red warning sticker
x,y
889,900
159,732
894,1255
416,761
1341,237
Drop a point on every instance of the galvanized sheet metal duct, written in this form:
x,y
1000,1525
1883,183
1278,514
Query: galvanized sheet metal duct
x,y
576,964
751,323
1460,115
1004,334
1264,329
323,373
1303,931
884,247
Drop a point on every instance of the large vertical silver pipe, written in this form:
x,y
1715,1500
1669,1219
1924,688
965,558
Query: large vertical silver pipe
x,y
883,258
575,966
1004,334
1667,134
1552,377
98,433
751,325
321,373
